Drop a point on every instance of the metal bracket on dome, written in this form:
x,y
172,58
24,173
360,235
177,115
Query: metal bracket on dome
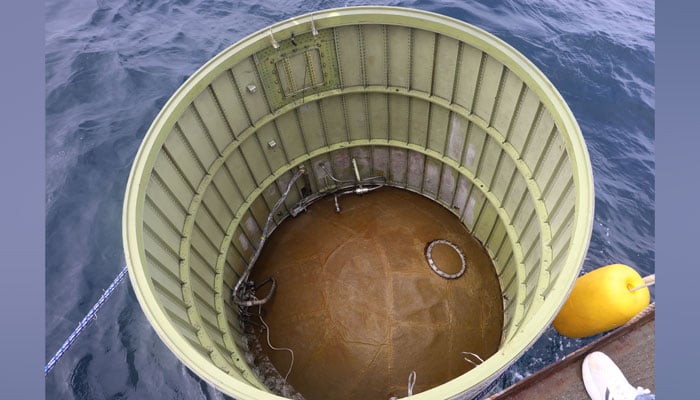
x,y
339,188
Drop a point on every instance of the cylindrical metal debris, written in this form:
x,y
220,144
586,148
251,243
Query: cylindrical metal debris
x,y
433,104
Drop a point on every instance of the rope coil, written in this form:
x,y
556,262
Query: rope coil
x,y
431,262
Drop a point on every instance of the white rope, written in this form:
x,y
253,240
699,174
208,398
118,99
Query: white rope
x,y
267,330
411,382
86,320
648,281
469,353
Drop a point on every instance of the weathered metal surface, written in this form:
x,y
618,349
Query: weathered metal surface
x,y
358,304
435,105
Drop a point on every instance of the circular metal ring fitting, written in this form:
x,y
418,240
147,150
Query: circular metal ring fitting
x,y
429,257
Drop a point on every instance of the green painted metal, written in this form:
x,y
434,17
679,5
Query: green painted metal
x,y
437,106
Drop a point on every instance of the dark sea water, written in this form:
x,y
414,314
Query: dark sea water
x,y
111,65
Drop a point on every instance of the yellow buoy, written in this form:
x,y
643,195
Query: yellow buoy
x,y
601,300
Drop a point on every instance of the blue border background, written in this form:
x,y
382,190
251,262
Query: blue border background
x,y
22,200
677,191
22,240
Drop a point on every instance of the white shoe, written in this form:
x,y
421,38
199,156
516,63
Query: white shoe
x,y
604,380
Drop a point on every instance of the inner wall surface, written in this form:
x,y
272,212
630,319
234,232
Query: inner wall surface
x,y
433,104
359,305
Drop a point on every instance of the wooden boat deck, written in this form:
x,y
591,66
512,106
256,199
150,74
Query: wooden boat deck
x,y
630,346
